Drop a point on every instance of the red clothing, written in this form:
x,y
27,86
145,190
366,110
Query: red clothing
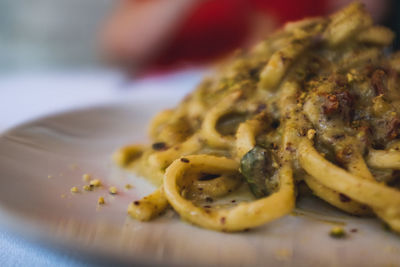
x,y
216,27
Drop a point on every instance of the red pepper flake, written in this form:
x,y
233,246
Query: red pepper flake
x,y
223,219
354,230
331,104
346,104
284,58
344,198
185,160
207,206
159,146
289,147
378,81
344,155
137,203
233,201
393,128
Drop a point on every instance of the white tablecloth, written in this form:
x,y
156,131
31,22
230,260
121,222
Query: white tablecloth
x,y
27,96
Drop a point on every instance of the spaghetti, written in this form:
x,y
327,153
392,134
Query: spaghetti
x,y
316,103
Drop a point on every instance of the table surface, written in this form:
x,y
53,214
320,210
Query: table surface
x,y
26,96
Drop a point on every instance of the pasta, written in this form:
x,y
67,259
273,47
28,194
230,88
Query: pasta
x,y
316,103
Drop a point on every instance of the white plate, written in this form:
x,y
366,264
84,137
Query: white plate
x,y
65,146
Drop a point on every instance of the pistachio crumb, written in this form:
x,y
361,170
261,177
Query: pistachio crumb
x,y
361,134
101,201
87,187
74,189
311,134
275,165
86,177
337,232
95,182
128,186
49,176
113,190
350,77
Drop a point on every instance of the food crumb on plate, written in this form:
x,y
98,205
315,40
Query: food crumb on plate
x,y
74,189
128,186
88,187
337,232
86,177
113,190
95,182
101,201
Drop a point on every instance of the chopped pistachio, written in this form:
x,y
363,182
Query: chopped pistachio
x,y
337,232
128,186
311,134
95,182
49,176
74,189
88,187
361,134
86,177
350,77
113,190
275,165
101,201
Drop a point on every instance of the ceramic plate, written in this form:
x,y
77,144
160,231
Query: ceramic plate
x,y
41,160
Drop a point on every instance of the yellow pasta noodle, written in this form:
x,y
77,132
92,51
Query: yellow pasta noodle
x,y
241,217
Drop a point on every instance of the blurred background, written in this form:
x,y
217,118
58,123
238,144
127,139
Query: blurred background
x,y
47,34
147,36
